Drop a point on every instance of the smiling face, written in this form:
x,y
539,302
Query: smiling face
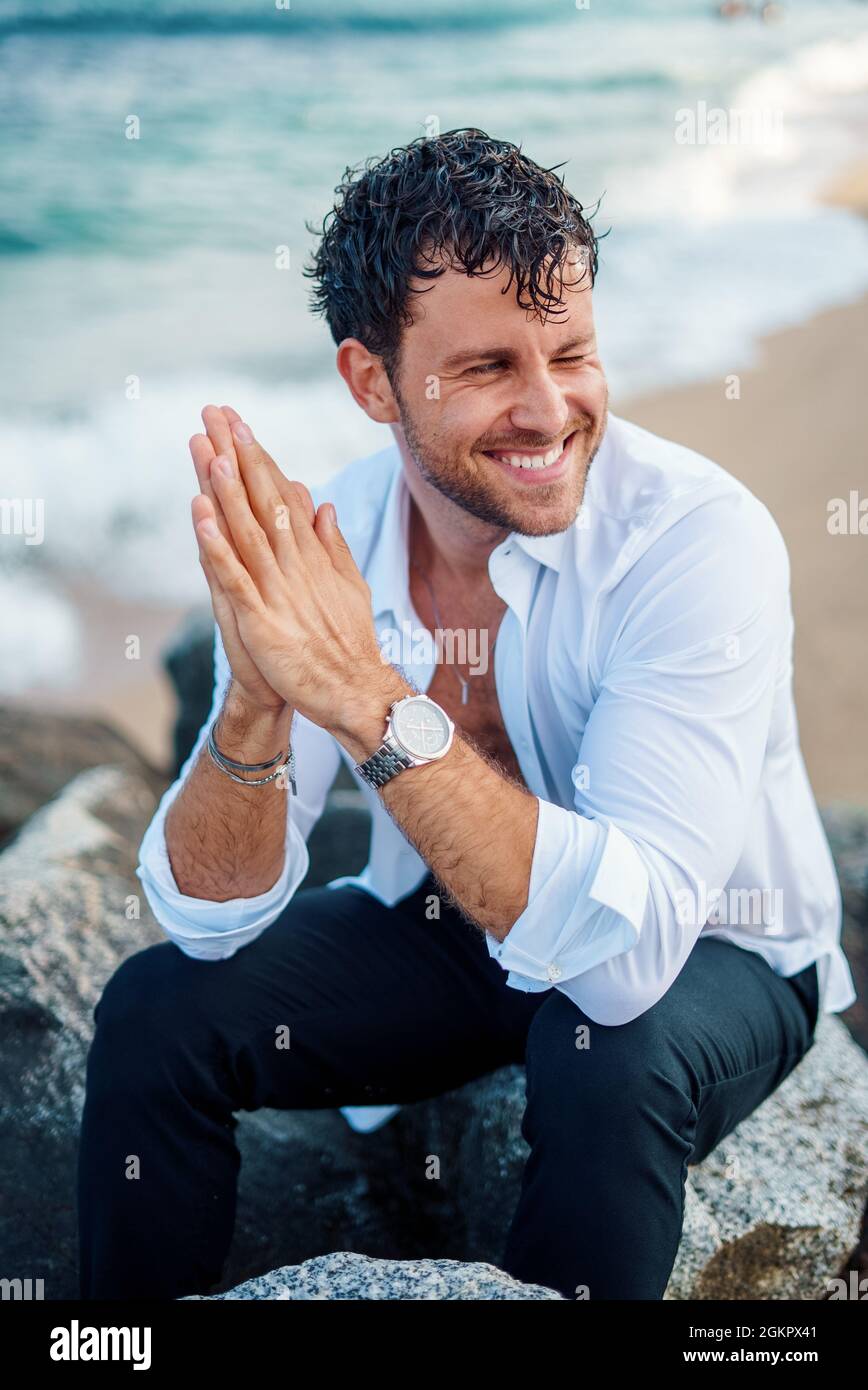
x,y
503,413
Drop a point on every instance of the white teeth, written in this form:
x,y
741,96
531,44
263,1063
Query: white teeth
x,y
525,461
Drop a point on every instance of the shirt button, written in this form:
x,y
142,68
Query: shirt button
x,y
554,972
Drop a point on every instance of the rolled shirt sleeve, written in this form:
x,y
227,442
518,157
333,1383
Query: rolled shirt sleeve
x,y
209,930
693,646
574,921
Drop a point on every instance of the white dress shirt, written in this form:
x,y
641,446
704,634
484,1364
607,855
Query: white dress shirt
x,y
644,673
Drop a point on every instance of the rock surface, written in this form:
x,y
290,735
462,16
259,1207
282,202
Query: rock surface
x,y
776,1208
847,830
40,753
66,887
345,1275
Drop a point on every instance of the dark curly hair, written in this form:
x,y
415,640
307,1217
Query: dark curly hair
x,y
459,199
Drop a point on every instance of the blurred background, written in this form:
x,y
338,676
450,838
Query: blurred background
x,y
158,166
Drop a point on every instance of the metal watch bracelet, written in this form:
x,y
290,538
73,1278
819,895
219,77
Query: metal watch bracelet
x,y
383,764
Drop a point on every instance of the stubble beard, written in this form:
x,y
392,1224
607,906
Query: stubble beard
x,y
470,492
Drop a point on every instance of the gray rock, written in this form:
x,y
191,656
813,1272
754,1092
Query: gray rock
x,y
346,1275
41,752
67,886
774,1211
847,831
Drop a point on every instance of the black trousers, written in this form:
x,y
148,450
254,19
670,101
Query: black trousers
x,y
386,1006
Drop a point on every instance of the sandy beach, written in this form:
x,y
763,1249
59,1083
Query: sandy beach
x,y
796,436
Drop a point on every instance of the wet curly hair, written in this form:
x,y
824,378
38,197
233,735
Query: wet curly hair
x,y
460,199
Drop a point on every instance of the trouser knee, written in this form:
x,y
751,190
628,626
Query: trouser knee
x,y
599,1080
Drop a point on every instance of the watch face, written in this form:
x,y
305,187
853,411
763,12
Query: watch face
x,y
421,727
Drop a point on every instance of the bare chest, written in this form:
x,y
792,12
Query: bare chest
x,y
478,617
481,717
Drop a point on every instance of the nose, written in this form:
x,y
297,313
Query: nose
x,y
540,406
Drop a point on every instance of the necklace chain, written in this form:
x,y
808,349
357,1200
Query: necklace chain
x,y
464,682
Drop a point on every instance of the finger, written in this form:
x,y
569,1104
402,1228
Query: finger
x,y
231,575
281,482
306,501
202,453
251,541
269,506
202,513
219,430
302,515
223,610
224,613
334,542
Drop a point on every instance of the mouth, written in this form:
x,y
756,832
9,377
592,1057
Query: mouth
x,y
534,465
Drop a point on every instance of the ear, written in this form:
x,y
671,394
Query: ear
x,y
366,377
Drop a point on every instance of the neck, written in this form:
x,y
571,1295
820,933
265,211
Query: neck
x,y
444,539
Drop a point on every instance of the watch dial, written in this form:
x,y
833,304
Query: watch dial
x,y
421,728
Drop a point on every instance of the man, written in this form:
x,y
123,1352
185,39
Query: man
x,y
595,849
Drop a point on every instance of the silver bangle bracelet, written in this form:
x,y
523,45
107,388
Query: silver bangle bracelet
x,y
226,764
240,767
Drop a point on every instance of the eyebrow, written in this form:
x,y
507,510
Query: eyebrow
x,y
506,354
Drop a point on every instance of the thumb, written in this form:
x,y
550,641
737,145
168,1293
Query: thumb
x,y
332,538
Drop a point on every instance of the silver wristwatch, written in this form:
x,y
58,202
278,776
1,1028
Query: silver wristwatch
x,y
418,731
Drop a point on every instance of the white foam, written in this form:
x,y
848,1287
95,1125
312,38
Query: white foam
x,y
117,482
39,637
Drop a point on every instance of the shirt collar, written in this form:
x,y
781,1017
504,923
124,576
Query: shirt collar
x,y
388,570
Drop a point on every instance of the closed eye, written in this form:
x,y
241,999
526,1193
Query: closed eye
x,y
484,368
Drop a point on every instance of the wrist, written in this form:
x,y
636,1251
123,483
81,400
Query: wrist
x,y
361,722
251,732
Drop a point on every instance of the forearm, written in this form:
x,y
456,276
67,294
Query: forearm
x,y
472,825
224,840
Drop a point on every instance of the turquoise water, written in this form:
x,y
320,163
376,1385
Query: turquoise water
x,y
154,258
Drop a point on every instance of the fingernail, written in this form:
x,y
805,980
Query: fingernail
x,y
331,514
223,466
243,433
208,528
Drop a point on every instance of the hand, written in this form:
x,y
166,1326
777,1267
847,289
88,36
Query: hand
x,y
249,683
301,607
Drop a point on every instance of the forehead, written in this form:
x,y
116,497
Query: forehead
x,y
459,304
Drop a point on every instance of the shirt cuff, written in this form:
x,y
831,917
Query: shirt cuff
x,y
205,929
586,901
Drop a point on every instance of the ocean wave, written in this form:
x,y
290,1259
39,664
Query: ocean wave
x,y
184,17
